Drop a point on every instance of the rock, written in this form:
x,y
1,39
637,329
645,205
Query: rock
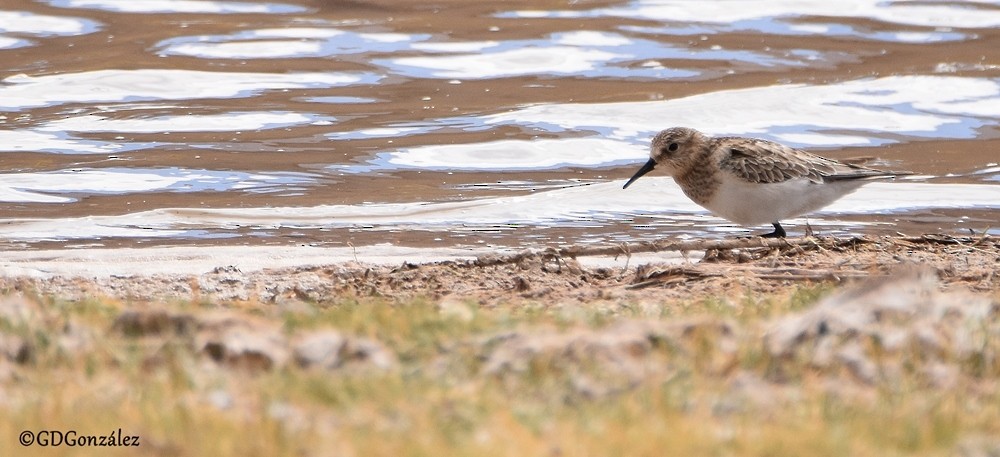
x,y
369,352
16,349
75,338
330,350
978,446
455,308
220,399
245,349
321,349
873,329
18,311
552,267
242,343
853,357
607,360
7,373
153,322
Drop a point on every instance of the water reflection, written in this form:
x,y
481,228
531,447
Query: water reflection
x,y
510,155
21,93
180,6
291,42
20,23
656,204
851,113
785,18
579,53
64,186
59,142
860,113
474,121
228,122
102,86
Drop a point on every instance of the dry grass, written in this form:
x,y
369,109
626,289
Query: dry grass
x,y
751,352
587,385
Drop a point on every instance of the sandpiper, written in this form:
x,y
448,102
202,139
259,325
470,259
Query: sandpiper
x,y
751,181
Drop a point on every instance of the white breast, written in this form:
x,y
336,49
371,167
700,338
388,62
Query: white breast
x,y
755,204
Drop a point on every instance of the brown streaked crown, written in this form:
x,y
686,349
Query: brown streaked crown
x,y
677,149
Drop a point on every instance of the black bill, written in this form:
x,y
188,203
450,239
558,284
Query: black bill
x,y
648,167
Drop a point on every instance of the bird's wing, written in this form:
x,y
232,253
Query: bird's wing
x,y
762,161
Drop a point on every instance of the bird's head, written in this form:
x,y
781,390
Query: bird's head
x,y
673,150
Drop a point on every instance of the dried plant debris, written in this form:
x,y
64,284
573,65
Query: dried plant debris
x,y
742,264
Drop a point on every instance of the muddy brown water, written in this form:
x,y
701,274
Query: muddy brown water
x,y
474,123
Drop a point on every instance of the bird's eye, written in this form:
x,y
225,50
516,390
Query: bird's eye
x,y
672,147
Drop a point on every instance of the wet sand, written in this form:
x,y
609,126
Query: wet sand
x,y
591,275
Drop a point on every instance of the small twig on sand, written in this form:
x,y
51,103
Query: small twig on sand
x,y
936,238
799,274
672,276
664,246
985,236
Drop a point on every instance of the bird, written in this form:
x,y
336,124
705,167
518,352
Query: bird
x,y
753,181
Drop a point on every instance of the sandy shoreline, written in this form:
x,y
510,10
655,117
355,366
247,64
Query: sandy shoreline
x,y
652,272
186,260
823,332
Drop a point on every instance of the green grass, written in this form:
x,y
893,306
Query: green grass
x,y
438,401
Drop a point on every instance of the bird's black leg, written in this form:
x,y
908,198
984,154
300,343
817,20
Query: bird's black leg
x,y
777,233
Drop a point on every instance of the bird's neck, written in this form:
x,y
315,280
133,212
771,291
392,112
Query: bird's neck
x,y
700,181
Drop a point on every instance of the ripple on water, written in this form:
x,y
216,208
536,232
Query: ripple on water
x,y
23,23
513,125
580,53
778,17
180,6
228,122
102,86
124,88
855,113
286,43
657,201
64,186
585,53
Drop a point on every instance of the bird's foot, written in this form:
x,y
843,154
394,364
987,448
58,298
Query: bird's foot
x,y
777,233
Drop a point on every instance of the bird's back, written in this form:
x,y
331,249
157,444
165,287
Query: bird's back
x,y
761,161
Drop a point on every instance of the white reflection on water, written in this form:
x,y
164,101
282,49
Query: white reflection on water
x,y
596,205
59,142
776,26
126,87
523,60
228,122
582,53
286,43
803,115
39,25
337,100
867,112
21,91
180,6
11,43
56,137
774,16
53,186
513,155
